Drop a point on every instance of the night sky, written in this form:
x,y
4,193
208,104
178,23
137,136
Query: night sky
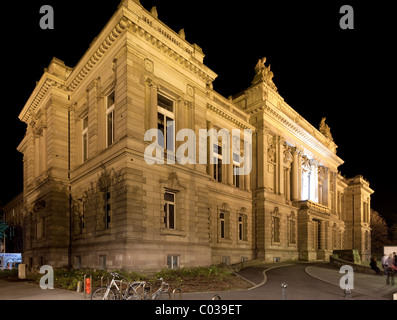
x,y
347,76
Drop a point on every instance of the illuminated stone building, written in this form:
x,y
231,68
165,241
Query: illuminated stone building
x,y
91,200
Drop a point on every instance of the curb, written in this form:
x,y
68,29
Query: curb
x,y
365,293
265,276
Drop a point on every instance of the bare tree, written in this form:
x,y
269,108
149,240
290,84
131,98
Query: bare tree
x,y
393,234
379,232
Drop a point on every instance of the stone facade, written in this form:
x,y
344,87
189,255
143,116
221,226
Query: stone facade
x,y
92,201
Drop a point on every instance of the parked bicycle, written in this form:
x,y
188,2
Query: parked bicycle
x,y
119,289
143,291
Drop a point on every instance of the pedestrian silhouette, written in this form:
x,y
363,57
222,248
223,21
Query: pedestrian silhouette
x,y
391,269
374,266
384,263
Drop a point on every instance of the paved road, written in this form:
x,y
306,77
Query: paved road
x,y
305,282
314,281
301,286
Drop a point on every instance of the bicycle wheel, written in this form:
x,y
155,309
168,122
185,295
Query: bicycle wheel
x,y
100,294
135,292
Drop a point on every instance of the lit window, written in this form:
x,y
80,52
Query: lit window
x,y
166,123
222,225
85,139
110,120
236,164
217,154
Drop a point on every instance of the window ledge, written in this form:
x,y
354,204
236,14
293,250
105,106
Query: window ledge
x,y
222,240
172,232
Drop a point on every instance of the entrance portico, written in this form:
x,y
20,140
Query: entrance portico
x,y
314,237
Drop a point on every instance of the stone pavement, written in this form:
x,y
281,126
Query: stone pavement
x,y
306,281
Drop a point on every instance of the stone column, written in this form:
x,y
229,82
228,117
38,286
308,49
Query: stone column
x,y
36,155
314,182
295,175
321,230
299,175
229,167
288,181
279,166
261,154
180,121
210,155
153,107
247,177
44,150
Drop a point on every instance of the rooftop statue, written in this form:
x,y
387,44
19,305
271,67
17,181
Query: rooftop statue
x,y
264,74
325,129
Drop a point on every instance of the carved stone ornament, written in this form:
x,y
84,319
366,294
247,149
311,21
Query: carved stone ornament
x,y
271,148
149,65
263,74
287,153
173,181
322,171
306,163
39,205
182,34
325,129
154,12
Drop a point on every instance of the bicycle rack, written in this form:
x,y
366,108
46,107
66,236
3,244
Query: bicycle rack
x,y
175,291
127,284
107,280
84,285
144,291
216,297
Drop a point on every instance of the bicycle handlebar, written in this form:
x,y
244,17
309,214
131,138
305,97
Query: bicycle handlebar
x,y
116,275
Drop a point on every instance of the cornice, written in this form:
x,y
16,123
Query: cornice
x,y
228,116
87,64
46,82
283,120
278,102
168,43
224,108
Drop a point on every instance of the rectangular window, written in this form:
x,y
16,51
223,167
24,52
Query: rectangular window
x,y
217,154
240,228
226,261
173,261
276,229
169,210
292,237
102,262
78,262
166,122
236,164
110,120
85,139
222,230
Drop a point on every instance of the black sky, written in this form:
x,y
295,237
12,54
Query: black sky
x,y
347,76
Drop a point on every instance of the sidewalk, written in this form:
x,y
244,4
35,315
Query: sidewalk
x,y
25,290
368,285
